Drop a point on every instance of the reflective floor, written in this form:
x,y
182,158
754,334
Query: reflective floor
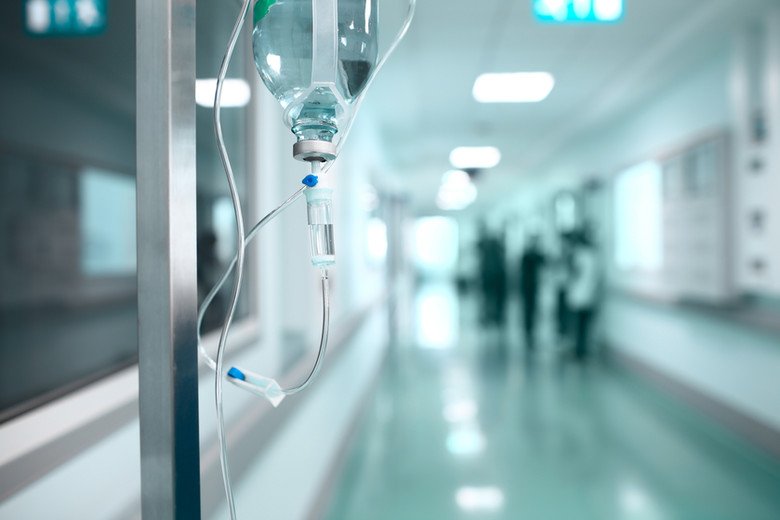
x,y
465,425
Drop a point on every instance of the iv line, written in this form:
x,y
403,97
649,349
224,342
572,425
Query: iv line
x,y
325,303
297,194
249,237
241,245
238,261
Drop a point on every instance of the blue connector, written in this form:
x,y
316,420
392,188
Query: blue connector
x,y
310,180
236,374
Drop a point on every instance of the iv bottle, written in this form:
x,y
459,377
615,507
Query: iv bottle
x,y
315,56
320,213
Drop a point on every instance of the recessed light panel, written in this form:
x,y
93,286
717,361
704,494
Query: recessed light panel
x,y
466,157
456,191
513,87
489,499
235,92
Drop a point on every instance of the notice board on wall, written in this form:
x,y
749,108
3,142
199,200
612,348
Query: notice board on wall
x,y
672,224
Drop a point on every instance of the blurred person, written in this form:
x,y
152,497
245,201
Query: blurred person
x,y
531,263
492,267
209,273
561,270
582,290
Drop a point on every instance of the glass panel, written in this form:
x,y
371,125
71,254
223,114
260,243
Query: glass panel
x,y
67,204
67,196
216,220
67,271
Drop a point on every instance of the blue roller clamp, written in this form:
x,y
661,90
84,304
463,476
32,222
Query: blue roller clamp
x,y
236,374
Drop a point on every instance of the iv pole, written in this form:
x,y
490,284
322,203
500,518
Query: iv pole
x,y
167,287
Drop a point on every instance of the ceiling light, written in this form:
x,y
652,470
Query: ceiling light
x,y
235,92
454,178
461,411
480,499
466,157
513,87
450,200
456,191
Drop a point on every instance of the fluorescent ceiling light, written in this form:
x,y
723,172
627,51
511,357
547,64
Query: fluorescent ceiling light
x,y
475,157
461,411
513,87
456,191
480,499
455,179
235,92
456,201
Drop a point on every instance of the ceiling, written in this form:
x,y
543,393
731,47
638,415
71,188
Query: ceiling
x,y
422,100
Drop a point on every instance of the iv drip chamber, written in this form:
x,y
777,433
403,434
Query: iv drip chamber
x,y
320,214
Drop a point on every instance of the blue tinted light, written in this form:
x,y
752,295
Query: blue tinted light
x,y
65,17
567,11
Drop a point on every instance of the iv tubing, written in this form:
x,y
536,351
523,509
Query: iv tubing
x,y
249,237
241,245
238,262
325,298
323,338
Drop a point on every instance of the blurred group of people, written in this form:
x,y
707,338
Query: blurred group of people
x,y
573,272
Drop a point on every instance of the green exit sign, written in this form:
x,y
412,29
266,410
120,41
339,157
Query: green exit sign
x,y
578,11
64,17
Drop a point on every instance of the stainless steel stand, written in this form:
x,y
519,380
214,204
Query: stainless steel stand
x,y
167,286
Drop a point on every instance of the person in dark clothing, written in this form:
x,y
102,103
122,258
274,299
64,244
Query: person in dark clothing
x,y
493,279
531,264
209,273
562,273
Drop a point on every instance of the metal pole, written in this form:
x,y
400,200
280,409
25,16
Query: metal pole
x,y
167,286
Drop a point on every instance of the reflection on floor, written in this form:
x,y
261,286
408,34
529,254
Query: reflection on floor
x,y
481,431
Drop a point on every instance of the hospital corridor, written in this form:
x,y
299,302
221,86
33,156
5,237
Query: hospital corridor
x,y
390,260
487,432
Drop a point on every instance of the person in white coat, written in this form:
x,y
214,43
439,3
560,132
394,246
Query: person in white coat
x,y
582,292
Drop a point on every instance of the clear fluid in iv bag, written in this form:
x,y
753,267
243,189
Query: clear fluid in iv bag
x,y
323,249
282,43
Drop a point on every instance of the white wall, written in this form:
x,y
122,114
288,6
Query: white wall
x,y
727,362
695,105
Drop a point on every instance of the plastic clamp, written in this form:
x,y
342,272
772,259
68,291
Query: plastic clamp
x,y
310,180
236,374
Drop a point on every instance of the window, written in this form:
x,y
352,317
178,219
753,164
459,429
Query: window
x,y
638,218
67,210
68,311
216,220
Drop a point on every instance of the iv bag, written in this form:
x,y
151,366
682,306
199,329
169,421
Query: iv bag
x,y
316,57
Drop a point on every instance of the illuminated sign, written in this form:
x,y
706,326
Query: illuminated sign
x,y
577,11
64,17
